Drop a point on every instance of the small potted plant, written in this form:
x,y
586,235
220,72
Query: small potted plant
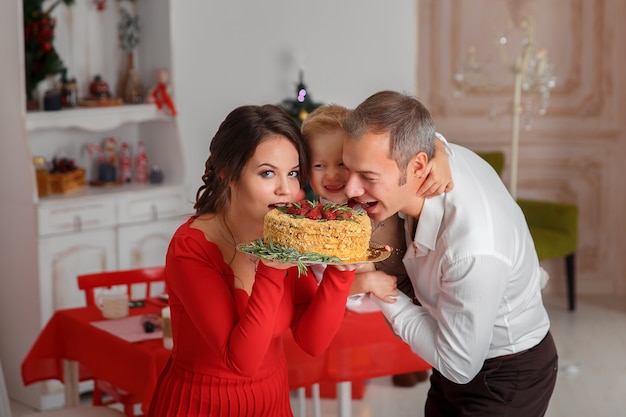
x,y
40,58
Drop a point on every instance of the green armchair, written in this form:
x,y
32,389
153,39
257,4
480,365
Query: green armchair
x,y
553,226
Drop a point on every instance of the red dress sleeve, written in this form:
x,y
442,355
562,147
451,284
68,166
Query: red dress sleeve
x,y
218,326
316,321
204,300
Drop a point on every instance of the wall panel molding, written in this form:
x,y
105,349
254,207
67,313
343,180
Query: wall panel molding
x,y
579,32
577,151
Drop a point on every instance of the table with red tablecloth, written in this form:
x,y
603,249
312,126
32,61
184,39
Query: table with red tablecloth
x,y
365,347
69,336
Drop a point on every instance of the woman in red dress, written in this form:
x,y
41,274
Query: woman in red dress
x,y
229,311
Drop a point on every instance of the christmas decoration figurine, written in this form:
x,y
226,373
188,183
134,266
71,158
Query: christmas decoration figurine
x,y
141,164
160,93
107,157
99,88
125,174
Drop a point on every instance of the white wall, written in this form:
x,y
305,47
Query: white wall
x,y
232,52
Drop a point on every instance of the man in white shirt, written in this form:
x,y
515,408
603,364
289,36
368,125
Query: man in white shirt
x,y
481,324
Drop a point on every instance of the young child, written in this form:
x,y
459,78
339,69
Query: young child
x,y
328,176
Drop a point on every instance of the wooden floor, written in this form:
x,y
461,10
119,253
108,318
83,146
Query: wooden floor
x,y
592,367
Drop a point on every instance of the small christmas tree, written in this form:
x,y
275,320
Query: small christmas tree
x,y
300,107
41,59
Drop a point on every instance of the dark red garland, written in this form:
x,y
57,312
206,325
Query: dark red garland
x,y
101,5
41,34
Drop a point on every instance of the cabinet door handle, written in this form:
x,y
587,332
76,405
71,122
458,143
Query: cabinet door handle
x,y
78,223
155,212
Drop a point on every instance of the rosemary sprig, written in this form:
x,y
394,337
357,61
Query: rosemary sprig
x,y
280,253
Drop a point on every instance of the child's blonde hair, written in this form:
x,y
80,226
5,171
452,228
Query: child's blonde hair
x,y
325,119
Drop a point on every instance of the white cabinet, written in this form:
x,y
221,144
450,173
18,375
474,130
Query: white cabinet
x,y
48,241
67,215
84,234
143,245
146,223
151,206
63,257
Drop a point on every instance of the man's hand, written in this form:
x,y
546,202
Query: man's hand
x,y
377,283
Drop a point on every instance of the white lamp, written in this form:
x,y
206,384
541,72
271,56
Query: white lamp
x,y
533,76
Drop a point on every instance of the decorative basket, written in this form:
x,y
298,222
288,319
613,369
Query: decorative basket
x,y
68,181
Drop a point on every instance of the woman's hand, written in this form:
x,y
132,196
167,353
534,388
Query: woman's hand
x,y
343,267
286,265
437,173
278,264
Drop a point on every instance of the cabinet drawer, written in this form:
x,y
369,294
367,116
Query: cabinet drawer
x,y
151,206
64,218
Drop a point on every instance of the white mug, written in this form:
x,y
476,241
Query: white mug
x,y
114,304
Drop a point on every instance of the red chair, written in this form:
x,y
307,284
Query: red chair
x,y
140,284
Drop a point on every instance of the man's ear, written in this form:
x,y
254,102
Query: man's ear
x,y
418,164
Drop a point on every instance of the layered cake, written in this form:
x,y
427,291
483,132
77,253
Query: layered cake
x,y
328,229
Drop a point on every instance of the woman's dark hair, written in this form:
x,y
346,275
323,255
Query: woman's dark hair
x,y
234,144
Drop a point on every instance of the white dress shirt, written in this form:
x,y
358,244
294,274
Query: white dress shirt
x,y
475,271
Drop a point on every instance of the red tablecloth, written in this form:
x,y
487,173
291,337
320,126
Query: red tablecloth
x,y
364,348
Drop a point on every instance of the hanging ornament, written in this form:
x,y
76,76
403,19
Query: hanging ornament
x,y
100,4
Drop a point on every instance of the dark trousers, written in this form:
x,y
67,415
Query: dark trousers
x,y
519,386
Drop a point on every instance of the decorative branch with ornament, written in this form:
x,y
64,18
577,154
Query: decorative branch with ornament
x,y
128,32
41,59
